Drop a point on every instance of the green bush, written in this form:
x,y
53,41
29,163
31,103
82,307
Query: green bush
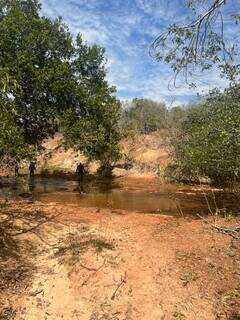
x,y
208,143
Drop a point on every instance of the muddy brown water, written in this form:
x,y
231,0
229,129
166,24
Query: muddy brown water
x,y
139,195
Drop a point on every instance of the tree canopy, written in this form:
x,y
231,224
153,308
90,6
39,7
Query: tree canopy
x,y
201,43
35,53
47,76
144,115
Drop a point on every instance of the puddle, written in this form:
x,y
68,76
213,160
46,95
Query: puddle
x,y
139,196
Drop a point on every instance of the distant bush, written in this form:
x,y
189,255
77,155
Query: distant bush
x,y
146,116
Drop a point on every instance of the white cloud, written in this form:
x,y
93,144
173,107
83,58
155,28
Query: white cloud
x,y
126,28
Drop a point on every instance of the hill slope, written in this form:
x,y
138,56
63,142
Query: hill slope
x,y
147,154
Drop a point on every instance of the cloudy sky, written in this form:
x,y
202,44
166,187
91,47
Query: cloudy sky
x,y
126,29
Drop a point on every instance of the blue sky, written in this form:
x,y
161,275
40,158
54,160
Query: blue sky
x,y
126,29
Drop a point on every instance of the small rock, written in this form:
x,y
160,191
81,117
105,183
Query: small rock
x,y
231,254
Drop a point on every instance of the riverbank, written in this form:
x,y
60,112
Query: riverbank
x,y
142,155
91,263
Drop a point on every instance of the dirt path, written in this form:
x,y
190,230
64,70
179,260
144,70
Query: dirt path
x,y
103,264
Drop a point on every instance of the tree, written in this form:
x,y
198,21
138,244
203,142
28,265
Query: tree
x,y
35,53
176,115
93,126
13,147
202,43
208,143
145,116
58,78
97,135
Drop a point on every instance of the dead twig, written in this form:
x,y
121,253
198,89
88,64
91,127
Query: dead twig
x,y
121,283
36,226
233,232
93,274
34,294
87,268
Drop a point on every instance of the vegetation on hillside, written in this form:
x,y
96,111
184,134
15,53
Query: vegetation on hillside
x,y
146,116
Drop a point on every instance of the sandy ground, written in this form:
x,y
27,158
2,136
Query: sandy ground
x,y
92,264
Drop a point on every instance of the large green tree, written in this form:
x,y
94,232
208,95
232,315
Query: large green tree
x,y
93,127
36,53
12,143
13,146
57,77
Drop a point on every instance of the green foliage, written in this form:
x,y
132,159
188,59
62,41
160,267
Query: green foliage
x,y
48,78
12,145
176,116
208,143
92,126
145,116
202,42
97,134
35,52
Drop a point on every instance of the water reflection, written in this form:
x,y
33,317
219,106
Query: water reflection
x,y
80,187
165,199
31,184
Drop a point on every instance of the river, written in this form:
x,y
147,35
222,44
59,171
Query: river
x,y
136,195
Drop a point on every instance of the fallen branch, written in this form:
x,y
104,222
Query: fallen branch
x,y
87,268
34,294
93,274
121,283
229,231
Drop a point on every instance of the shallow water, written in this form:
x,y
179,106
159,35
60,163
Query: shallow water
x,y
146,196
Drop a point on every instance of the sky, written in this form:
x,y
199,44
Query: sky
x,y
126,28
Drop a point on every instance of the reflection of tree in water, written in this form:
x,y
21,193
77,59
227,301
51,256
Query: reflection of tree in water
x,y
80,188
31,184
106,185
44,183
15,184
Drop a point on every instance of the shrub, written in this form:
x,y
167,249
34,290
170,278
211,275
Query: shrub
x,y
208,142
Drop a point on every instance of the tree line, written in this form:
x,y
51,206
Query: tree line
x,y
146,116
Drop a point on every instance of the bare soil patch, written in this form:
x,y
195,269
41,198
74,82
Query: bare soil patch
x,y
89,263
